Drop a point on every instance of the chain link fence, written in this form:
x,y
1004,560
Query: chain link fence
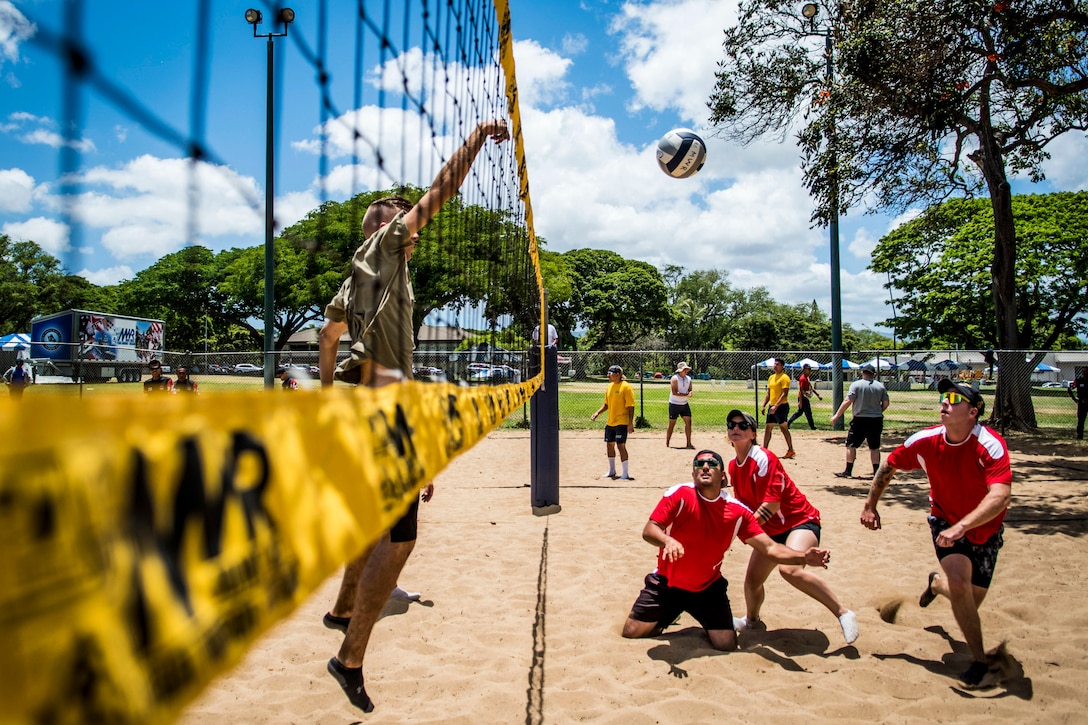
x,y
722,380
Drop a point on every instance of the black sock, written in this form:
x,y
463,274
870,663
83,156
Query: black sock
x,y
850,468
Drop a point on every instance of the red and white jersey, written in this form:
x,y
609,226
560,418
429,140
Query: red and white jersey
x,y
762,479
960,475
705,529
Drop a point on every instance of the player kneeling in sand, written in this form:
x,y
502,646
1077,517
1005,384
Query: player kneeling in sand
x,y
762,484
693,526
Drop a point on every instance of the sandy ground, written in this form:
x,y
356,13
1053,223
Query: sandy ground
x,y
521,614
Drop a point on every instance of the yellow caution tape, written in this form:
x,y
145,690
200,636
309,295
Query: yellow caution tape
x,y
144,543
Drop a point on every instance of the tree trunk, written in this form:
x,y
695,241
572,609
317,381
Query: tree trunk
x,y
1012,400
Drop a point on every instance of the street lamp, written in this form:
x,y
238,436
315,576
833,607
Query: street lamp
x,y
284,16
810,11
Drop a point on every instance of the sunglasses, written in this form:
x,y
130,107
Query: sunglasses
x,y
742,424
712,462
954,398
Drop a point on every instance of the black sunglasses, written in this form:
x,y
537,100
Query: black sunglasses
x,y
742,424
712,462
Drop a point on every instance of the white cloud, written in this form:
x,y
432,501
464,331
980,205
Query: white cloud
x,y
143,207
108,276
49,234
55,140
16,190
1066,168
14,29
575,43
670,51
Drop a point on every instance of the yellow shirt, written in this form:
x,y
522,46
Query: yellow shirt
x,y
777,385
619,396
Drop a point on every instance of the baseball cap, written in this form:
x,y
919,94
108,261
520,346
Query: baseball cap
x,y
966,391
154,365
747,416
806,366
615,369
683,366
868,368
281,370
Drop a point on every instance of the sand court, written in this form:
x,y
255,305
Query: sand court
x,y
520,615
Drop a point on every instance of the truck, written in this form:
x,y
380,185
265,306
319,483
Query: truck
x,y
94,347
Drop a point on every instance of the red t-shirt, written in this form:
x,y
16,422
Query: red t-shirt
x,y
803,385
705,529
760,479
959,475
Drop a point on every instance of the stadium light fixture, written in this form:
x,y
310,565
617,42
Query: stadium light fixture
x,y
809,11
285,16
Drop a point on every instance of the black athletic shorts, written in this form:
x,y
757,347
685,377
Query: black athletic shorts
x,y
865,429
658,602
983,556
405,528
813,526
679,410
615,434
781,414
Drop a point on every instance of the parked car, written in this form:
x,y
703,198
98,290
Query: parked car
x,y
703,376
247,369
658,375
1056,384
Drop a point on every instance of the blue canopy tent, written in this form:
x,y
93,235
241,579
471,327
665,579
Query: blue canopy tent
x,y
1044,368
802,362
916,366
881,363
846,365
946,365
15,341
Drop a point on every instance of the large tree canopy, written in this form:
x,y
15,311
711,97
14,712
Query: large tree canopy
x,y
617,300
939,266
931,100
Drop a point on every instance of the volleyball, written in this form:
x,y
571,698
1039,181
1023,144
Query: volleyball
x,y
681,153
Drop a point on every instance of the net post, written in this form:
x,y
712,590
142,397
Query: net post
x,y
544,437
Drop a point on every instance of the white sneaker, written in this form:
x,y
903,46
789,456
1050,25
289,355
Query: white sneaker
x,y
399,593
849,622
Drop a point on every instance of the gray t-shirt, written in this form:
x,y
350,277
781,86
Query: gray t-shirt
x,y
867,395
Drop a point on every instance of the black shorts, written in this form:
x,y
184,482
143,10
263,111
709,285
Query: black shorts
x,y
660,603
865,429
405,528
615,434
781,414
983,557
813,526
679,410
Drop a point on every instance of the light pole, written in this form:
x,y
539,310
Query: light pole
x,y
285,16
810,11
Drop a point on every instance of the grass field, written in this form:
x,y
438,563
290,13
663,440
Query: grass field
x,y
909,410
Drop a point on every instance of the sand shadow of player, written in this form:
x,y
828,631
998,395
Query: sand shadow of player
x,y
682,645
396,606
1009,672
782,645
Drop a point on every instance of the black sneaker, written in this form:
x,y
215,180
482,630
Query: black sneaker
x,y
333,622
928,595
843,474
351,681
974,675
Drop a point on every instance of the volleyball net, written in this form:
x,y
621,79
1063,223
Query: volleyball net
x,y
148,540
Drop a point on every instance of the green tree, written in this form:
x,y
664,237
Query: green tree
x,y
931,100
615,299
939,266
33,283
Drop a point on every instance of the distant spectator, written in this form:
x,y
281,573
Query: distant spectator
x,y
553,336
1078,391
18,378
776,406
157,383
680,388
185,384
804,392
869,399
619,401
288,381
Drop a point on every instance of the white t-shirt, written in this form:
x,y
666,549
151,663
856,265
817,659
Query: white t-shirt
x,y
683,386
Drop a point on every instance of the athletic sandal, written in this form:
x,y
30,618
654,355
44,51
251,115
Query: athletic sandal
x,y
849,623
333,622
975,675
689,447
928,595
627,478
843,474
351,681
790,454
613,476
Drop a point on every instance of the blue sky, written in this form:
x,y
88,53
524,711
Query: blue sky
x,y
599,82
